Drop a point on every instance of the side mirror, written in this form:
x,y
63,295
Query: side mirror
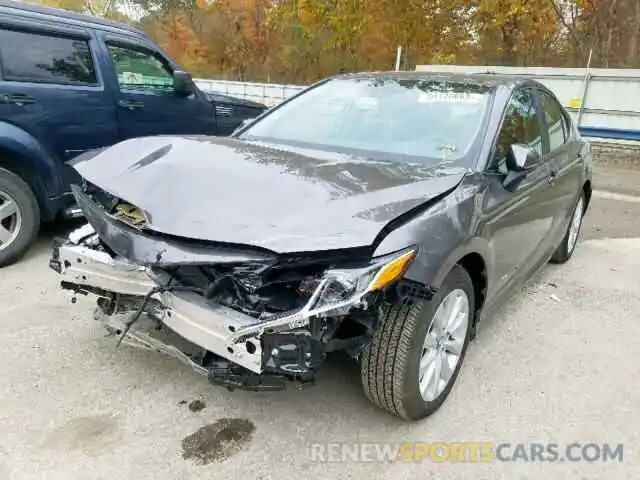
x,y
183,83
521,158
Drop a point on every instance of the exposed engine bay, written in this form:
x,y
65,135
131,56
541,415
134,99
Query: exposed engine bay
x,y
246,319
254,290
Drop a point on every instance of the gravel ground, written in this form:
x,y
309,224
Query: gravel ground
x,y
558,364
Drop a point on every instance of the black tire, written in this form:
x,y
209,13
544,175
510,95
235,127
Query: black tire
x,y
27,205
565,250
390,363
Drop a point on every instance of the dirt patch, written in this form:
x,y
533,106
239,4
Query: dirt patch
x,y
84,433
197,406
217,441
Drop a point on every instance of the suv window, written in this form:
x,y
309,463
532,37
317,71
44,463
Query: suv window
x,y
140,69
521,124
40,58
556,122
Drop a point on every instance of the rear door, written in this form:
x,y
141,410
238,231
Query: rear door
x,y
51,88
561,151
144,97
518,221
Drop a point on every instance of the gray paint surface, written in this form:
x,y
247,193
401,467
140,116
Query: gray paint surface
x,y
226,190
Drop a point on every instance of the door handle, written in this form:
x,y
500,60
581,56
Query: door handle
x,y
130,104
17,99
553,174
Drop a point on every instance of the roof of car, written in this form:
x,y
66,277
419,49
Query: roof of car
x,y
28,10
489,79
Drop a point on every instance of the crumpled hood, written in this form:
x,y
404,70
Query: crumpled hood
x,y
266,195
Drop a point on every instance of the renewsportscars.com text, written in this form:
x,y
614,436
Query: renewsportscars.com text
x,y
466,452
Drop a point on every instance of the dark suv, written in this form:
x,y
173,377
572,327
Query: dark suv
x,y
70,83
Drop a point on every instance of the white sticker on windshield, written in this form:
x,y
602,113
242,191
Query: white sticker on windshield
x,y
456,97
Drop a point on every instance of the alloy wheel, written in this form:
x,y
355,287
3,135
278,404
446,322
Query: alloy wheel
x,y
10,220
574,226
443,344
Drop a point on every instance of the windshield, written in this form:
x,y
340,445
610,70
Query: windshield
x,y
426,118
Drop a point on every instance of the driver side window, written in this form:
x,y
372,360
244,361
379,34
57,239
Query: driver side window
x,y
521,124
139,69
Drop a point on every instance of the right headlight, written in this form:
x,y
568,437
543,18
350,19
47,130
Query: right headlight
x,y
337,292
343,288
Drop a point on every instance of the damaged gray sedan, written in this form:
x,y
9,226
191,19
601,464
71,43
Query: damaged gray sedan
x,y
383,215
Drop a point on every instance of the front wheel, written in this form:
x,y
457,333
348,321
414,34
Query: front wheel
x,y
568,244
414,358
19,217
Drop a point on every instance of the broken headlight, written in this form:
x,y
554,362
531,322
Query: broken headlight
x,y
336,293
343,287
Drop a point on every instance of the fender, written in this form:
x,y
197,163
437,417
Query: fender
x,y
23,153
446,233
477,245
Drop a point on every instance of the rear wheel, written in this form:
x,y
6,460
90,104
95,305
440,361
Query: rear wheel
x,y
19,217
413,360
568,244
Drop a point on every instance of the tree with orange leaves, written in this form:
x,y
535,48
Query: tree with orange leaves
x,y
300,41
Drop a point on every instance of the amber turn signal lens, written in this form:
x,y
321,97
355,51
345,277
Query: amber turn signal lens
x,y
392,271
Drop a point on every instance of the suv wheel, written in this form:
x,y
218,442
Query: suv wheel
x,y
19,217
415,355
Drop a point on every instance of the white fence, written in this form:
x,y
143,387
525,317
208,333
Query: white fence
x,y
266,93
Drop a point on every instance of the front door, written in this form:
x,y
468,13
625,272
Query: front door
x,y
518,221
50,88
145,99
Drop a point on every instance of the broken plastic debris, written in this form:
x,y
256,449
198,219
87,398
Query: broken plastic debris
x,y
554,297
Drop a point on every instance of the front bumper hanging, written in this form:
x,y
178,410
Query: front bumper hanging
x,y
233,349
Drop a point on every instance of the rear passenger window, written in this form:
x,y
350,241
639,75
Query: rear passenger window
x,y
140,69
31,57
556,122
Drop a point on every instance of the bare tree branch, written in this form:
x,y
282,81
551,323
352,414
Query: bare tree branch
x,y
570,29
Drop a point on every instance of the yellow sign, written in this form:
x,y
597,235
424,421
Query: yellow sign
x,y
575,102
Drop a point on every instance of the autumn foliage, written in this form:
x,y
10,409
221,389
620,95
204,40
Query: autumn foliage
x,y
299,41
